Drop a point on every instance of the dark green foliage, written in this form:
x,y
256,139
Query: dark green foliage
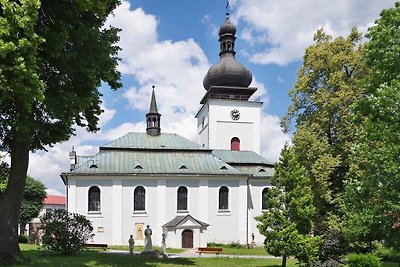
x,y
4,172
372,193
386,254
54,55
327,263
332,247
230,245
363,260
288,221
65,232
34,193
22,239
68,55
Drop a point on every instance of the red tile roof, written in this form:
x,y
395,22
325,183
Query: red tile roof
x,y
54,200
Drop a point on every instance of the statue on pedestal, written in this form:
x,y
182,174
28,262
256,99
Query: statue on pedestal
x,y
148,245
163,246
131,242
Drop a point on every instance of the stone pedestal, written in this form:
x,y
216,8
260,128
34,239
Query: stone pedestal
x,y
150,254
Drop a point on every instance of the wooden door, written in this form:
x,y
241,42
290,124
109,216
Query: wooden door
x,y
187,239
139,231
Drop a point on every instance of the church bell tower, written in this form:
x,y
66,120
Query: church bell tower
x,y
228,119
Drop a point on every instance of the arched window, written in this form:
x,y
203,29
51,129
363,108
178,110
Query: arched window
x,y
223,198
182,198
235,143
94,198
139,198
264,199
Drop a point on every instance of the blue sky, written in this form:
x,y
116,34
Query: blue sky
x,y
171,44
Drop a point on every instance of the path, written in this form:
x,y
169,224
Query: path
x,y
191,253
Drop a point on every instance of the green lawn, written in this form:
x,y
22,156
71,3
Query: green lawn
x,y
33,257
140,248
225,250
260,251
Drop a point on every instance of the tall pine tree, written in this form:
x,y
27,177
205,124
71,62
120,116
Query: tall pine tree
x,y
288,221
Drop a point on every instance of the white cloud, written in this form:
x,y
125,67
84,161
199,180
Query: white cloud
x,y
283,29
53,192
209,21
272,137
176,68
47,166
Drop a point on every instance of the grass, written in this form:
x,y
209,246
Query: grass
x,y
236,249
141,248
33,257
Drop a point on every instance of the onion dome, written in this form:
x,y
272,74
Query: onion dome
x,y
227,27
228,72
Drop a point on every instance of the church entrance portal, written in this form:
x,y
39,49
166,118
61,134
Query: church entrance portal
x,y
187,239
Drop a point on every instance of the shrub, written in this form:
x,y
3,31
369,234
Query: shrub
x,y
332,246
65,232
327,263
386,254
23,239
363,260
230,245
234,245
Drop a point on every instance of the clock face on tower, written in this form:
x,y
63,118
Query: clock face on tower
x,y
235,114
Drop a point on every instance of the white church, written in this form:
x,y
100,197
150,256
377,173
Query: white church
x,y
195,193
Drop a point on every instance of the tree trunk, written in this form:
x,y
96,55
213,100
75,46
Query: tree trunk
x,y
284,261
10,201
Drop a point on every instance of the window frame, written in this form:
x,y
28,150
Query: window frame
x,y
89,207
223,209
144,200
263,198
178,202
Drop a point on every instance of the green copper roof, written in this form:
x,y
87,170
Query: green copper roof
x,y
240,157
164,141
155,162
256,171
140,153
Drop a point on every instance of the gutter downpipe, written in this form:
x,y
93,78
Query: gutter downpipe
x,y
247,212
66,191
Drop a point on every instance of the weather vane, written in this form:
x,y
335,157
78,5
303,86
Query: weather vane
x,y
227,6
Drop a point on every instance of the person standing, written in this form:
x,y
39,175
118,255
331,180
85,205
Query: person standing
x,y
131,242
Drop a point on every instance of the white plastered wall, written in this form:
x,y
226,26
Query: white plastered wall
x,y
222,128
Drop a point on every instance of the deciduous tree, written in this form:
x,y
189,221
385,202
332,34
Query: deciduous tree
x,y
34,194
372,194
53,57
327,86
32,201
